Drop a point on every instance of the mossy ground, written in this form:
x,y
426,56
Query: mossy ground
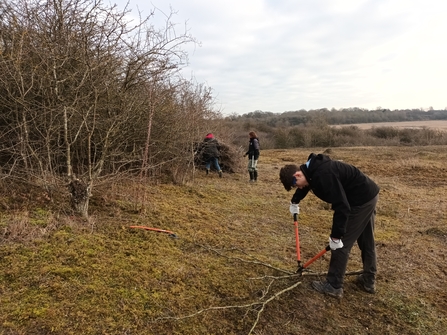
x,y
62,275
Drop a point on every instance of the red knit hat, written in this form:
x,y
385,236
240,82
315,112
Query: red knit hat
x,y
209,135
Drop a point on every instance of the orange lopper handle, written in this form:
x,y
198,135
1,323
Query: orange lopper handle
x,y
313,259
297,239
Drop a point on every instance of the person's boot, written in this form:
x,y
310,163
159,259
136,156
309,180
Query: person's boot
x,y
207,171
220,173
326,288
367,286
251,176
255,175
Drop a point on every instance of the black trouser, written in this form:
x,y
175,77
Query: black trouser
x,y
360,228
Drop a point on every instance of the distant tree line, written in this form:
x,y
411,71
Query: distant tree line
x,y
315,128
341,116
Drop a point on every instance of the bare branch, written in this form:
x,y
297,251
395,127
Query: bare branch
x,y
266,296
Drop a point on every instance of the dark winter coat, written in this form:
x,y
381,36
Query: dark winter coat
x,y
253,149
210,148
340,184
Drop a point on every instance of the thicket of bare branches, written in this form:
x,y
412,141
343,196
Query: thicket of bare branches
x,y
87,94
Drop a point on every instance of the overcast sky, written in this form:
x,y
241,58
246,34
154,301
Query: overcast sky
x,y
287,55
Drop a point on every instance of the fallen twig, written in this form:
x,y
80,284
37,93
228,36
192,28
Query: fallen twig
x,y
305,274
254,261
261,302
253,304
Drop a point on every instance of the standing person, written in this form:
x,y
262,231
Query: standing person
x,y
211,153
353,196
253,155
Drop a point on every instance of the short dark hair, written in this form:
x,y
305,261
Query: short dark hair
x,y
286,175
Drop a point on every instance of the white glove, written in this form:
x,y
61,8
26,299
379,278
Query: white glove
x,y
294,208
335,243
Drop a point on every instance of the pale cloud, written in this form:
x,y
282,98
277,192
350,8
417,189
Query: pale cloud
x,y
282,55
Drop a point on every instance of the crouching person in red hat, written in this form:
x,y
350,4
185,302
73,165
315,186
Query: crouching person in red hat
x,y
353,196
211,153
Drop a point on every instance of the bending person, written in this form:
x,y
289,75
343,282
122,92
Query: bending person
x,y
353,196
211,153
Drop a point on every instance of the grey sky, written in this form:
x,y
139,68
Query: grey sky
x,y
284,55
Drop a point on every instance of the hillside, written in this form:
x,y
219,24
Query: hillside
x,y
233,250
430,124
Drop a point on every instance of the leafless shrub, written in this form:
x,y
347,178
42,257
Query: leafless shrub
x,y
85,95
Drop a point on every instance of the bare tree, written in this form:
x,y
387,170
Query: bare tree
x,y
82,91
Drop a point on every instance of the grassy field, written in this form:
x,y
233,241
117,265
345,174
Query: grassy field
x,y
431,124
230,267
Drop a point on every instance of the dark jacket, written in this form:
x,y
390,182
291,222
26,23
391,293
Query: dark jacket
x,y
340,184
210,148
253,149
